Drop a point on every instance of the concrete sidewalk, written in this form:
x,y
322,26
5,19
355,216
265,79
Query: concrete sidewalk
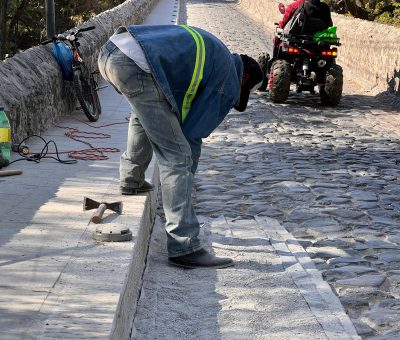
x,y
55,280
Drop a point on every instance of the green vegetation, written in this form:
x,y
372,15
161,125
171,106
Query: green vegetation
x,y
22,22
383,11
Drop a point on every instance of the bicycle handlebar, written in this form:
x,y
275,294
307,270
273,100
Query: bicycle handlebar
x,y
86,29
62,37
44,42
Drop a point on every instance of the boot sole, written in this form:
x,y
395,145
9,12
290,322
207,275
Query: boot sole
x,y
136,192
189,266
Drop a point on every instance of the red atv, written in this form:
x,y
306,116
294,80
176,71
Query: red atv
x,y
301,60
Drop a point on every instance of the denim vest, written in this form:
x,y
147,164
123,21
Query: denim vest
x,y
171,53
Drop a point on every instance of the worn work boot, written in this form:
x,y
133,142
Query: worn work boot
x,y
200,259
134,191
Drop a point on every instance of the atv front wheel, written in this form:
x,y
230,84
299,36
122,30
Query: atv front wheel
x,y
263,60
331,92
279,81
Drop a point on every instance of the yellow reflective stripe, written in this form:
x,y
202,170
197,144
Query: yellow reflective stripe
x,y
197,72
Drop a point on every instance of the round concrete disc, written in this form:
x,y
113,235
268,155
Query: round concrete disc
x,y
110,233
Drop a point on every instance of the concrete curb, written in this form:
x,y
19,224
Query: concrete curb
x,y
130,293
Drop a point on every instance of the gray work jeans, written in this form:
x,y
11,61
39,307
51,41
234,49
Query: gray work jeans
x,y
154,126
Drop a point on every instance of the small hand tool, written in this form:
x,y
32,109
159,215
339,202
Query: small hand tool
x,y
4,173
89,204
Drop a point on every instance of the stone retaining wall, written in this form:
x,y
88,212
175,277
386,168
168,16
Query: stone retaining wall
x,y
31,87
34,93
369,52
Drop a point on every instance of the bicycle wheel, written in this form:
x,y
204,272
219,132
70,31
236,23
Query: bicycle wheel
x,y
85,88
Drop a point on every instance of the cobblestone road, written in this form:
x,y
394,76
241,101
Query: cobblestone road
x,y
329,175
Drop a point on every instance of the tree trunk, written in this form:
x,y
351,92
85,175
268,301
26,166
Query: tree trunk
x,y
12,28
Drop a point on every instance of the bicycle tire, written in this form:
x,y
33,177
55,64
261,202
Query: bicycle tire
x,y
85,89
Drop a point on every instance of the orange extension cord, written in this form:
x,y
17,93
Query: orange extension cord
x,y
91,153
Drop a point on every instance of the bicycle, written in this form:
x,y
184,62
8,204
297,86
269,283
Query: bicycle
x,y
66,51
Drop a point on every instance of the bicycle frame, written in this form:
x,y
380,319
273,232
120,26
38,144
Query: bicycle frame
x,y
66,52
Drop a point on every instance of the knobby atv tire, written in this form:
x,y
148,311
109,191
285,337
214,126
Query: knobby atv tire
x,y
263,60
85,88
279,81
331,92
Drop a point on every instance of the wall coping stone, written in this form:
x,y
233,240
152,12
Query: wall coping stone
x,y
32,89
